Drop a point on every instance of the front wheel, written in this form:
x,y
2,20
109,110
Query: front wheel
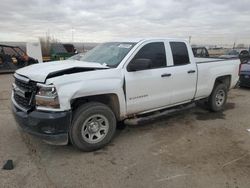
x,y
218,98
93,126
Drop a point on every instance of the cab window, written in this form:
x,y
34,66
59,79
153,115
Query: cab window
x,y
180,53
154,52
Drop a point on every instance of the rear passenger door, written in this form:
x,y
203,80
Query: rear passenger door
x,y
183,73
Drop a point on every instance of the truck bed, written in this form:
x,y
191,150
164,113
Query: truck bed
x,y
211,68
210,60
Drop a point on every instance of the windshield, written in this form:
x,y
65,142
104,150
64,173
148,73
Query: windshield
x,y
77,57
110,54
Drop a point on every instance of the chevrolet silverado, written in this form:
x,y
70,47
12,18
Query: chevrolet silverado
x,y
82,100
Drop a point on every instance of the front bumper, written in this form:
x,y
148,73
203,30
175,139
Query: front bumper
x,y
52,127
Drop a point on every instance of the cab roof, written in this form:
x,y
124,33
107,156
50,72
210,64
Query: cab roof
x,y
136,40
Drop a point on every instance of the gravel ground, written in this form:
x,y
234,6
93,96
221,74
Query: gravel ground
x,y
194,148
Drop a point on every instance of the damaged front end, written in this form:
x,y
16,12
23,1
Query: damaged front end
x,y
51,126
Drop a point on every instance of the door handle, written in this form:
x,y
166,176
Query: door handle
x,y
166,75
191,71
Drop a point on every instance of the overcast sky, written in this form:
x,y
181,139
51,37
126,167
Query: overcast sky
x,y
209,21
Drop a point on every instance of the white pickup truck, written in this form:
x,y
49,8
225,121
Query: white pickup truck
x,y
82,100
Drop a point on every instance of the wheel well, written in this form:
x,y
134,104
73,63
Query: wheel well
x,y
111,100
224,80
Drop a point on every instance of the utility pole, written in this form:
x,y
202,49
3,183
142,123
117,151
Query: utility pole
x,y
234,45
72,35
189,38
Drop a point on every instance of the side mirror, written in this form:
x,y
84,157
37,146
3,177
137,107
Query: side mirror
x,y
139,64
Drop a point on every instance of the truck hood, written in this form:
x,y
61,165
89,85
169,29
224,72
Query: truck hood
x,y
42,71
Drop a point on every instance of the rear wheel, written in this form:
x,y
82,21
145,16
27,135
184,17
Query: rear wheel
x,y
218,98
93,126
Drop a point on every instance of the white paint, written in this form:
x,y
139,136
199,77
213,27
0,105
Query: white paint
x,y
34,50
145,90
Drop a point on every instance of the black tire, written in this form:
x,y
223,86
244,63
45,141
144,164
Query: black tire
x,y
82,135
218,98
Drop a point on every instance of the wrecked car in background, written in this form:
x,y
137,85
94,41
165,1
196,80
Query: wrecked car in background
x,y
200,51
13,58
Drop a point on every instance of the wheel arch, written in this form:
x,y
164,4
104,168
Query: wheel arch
x,y
226,79
111,100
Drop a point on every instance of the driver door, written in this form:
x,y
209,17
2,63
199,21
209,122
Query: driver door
x,y
148,89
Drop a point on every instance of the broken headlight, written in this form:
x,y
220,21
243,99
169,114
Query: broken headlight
x,y
47,96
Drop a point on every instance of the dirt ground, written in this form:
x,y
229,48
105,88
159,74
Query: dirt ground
x,y
194,148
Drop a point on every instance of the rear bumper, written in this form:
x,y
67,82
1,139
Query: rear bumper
x,y
52,127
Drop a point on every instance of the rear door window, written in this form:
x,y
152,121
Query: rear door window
x,y
180,53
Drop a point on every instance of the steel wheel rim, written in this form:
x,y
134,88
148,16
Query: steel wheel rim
x,y
220,98
95,128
